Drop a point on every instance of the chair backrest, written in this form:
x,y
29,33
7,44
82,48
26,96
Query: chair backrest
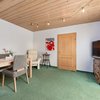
x,y
32,53
20,61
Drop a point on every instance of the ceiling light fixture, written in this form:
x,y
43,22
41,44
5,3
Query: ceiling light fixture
x,y
83,10
48,23
63,20
32,24
37,26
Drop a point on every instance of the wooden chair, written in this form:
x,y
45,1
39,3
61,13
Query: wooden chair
x,y
19,68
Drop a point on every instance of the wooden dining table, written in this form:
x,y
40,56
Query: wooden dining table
x,y
8,62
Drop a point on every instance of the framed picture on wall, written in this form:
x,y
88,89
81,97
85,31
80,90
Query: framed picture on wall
x,y
50,44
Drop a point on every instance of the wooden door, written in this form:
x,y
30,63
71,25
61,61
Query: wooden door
x,y
67,51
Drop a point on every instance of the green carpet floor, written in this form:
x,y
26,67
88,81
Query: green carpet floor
x,y
53,84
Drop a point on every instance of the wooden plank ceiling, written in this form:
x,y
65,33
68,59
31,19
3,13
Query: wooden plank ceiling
x,y
45,14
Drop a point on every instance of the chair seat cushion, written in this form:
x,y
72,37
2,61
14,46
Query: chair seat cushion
x,y
12,73
5,68
34,62
8,72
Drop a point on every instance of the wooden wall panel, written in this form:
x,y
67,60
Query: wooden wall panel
x,y
25,12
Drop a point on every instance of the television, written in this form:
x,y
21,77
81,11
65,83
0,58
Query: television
x,y
96,48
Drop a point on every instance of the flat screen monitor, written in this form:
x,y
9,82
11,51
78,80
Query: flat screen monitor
x,y
96,48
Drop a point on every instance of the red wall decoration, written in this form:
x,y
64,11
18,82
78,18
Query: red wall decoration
x,y
50,45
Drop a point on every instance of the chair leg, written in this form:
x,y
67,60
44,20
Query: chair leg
x,y
38,66
27,77
15,88
3,80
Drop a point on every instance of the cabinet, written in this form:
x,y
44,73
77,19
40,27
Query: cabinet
x,y
96,69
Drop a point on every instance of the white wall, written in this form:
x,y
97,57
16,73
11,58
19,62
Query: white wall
x,y
15,38
86,33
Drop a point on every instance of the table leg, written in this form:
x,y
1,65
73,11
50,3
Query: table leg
x,y
30,69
